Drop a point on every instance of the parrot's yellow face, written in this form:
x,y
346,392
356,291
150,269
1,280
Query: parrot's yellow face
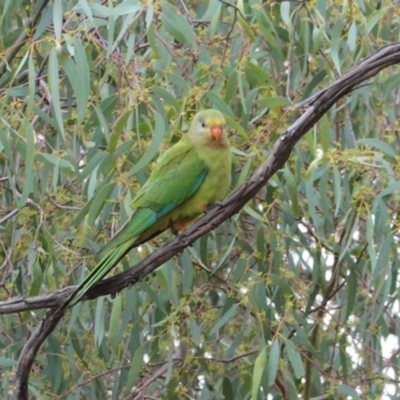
x,y
207,126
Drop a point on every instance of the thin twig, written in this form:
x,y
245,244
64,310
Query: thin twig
x,y
9,215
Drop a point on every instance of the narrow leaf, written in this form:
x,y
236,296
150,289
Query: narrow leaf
x,y
258,371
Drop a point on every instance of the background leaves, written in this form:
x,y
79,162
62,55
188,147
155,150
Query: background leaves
x,y
303,298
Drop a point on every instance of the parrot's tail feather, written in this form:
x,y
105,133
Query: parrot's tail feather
x,y
111,254
98,272
140,221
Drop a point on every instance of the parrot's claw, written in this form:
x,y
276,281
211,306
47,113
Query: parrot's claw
x,y
174,230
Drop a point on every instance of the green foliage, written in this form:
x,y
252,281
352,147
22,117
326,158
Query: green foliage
x,y
302,297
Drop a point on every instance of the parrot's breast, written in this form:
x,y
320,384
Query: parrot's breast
x,y
214,187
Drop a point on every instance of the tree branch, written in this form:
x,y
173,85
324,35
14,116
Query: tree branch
x,y
29,351
319,105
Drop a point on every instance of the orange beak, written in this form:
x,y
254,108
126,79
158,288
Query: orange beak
x,y
216,132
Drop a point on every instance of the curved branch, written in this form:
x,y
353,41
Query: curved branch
x,y
319,105
29,351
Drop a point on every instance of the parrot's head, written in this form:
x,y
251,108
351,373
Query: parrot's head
x,y
208,128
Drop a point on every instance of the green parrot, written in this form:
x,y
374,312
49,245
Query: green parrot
x,y
191,175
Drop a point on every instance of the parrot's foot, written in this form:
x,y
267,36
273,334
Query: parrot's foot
x,y
178,227
174,231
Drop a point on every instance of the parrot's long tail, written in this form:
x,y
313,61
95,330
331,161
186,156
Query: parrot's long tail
x,y
99,271
112,253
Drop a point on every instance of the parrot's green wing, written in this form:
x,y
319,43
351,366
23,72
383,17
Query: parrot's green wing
x,y
176,177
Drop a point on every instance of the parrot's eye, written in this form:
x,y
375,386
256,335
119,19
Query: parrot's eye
x,y
203,125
